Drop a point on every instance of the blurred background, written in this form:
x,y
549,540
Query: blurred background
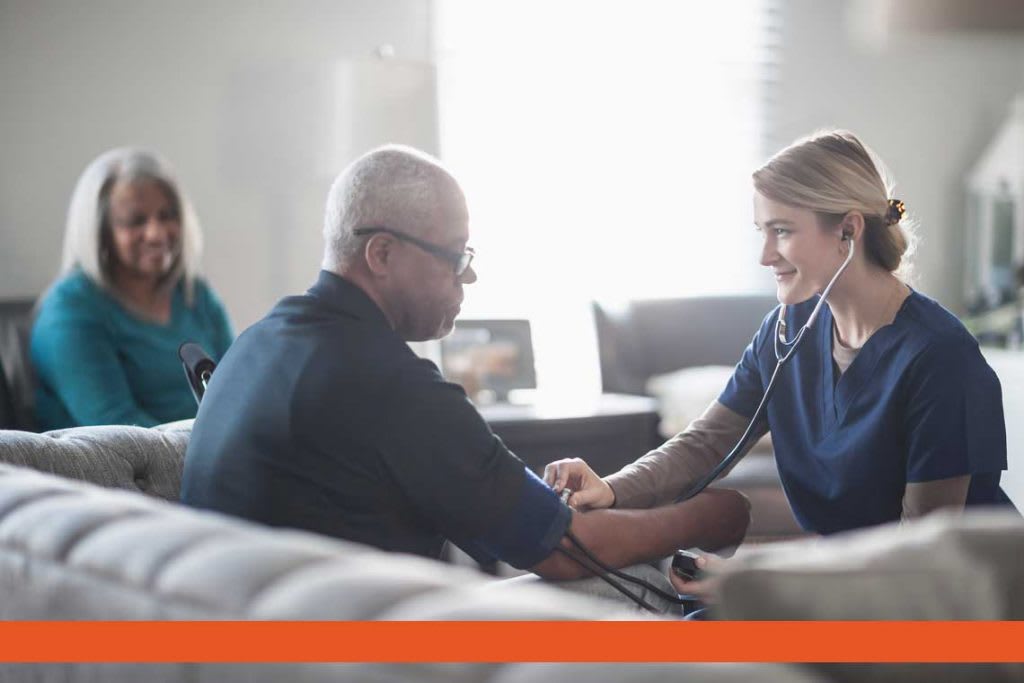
x,y
605,147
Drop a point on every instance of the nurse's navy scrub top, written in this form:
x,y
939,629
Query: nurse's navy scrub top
x,y
918,403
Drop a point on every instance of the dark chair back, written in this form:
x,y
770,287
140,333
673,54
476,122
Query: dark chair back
x,y
17,379
650,337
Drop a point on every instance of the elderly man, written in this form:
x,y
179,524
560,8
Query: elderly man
x,y
320,417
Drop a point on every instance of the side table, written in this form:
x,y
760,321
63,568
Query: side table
x,y
608,431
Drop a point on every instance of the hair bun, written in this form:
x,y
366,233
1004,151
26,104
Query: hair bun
x,y
895,213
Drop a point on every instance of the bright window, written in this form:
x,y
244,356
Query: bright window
x,y
606,150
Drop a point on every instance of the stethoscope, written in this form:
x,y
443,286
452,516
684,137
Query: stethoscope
x,y
784,351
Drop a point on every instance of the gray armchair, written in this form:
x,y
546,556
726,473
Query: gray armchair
x,y
649,337
17,381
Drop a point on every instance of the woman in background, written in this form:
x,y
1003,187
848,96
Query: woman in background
x,y
888,411
105,341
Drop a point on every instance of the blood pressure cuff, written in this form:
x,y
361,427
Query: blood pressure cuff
x,y
529,532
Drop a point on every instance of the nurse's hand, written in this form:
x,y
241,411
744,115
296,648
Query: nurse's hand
x,y
589,490
706,587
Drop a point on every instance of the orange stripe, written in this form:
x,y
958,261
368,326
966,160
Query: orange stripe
x,y
511,641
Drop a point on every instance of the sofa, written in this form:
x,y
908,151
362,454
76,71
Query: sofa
x,y
89,529
682,351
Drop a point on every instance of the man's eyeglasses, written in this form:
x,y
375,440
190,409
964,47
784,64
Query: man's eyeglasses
x,y
459,261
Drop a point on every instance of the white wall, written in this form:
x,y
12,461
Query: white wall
x,y
237,95
1009,366
927,104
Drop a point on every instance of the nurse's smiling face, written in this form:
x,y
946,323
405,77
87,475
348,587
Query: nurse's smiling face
x,y
802,255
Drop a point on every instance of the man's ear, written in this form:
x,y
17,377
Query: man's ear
x,y
378,254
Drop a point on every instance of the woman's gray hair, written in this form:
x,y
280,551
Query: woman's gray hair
x,y
391,186
88,224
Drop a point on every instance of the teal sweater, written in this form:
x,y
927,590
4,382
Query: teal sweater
x,y
97,363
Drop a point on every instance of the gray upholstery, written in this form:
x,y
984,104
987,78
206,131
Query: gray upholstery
x,y
642,338
404,673
945,566
70,550
73,551
134,458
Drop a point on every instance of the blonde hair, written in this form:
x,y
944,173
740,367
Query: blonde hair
x,y
833,173
88,223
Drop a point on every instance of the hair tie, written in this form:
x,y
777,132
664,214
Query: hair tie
x,y
895,213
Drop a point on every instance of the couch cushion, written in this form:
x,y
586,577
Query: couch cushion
x,y
943,566
73,551
684,395
406,673
134,458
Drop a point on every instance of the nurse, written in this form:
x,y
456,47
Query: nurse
x,y
887,411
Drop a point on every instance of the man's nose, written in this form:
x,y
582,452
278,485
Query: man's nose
x,y
468,277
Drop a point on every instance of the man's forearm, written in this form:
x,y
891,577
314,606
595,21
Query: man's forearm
x,y
717,518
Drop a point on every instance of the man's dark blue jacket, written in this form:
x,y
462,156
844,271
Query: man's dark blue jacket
x,y
321,418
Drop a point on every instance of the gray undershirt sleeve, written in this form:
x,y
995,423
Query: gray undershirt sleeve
x,y
920,498
666,472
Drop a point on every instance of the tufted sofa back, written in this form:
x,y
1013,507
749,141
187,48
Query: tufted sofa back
x,y
137,459
72,551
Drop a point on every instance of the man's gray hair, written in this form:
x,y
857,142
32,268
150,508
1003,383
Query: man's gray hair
x,y
88,220
392,186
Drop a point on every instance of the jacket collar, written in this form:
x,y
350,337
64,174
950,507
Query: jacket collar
x,y
345,297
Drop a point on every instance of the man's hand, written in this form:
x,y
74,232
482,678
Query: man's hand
x,y
705,587
590,491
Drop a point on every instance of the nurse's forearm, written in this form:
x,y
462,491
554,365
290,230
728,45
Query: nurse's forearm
x,y
666,472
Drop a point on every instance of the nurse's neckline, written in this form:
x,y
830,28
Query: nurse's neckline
x,y
837,338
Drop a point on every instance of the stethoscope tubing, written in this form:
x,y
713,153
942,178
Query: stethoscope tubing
x,y
788,349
